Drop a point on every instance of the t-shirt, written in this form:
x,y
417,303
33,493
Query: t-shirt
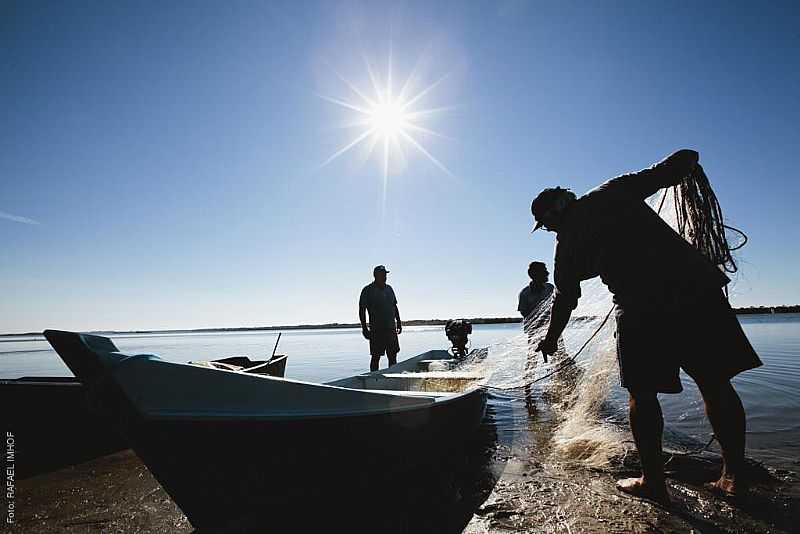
x,y
380,303
531,296
611,232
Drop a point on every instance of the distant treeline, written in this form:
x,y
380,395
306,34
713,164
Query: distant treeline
x,y
767,309
323,326
752,310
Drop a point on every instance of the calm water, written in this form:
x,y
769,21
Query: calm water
x,y
769,393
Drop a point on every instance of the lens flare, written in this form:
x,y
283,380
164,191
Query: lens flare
x,y
393,122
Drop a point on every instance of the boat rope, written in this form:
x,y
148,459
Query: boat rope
x,y
691,452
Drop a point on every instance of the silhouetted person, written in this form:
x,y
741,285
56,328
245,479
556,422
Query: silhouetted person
x,y
379,300
536,291
671,311
529,298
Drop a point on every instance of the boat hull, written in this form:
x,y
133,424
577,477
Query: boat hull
x,y
218,470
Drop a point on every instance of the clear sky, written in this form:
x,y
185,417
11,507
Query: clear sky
x,y
162,164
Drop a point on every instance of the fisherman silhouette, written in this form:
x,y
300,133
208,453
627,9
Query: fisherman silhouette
x,y
671,312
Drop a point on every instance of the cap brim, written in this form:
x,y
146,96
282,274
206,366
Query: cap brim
x,y
537,226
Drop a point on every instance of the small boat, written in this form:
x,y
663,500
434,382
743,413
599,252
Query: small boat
x,y
225,443
48,408
53,424
275,366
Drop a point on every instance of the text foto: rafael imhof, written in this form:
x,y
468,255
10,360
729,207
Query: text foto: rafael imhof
x,y
10,483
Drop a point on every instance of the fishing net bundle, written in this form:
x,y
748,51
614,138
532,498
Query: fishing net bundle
x,y
580,381
698,218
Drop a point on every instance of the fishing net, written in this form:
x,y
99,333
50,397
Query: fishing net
x,y
576,380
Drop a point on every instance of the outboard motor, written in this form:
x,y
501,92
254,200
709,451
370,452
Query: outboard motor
x,y
458,331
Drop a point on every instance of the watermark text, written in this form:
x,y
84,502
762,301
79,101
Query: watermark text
x,y
11,486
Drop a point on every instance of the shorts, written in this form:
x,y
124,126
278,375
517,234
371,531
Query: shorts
x,y
657,337
383,341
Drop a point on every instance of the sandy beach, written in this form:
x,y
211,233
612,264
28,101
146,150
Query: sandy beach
x,y
534,493
115,493
539,497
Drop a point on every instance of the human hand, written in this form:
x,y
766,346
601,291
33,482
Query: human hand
x,y
399,328
365,332
547,347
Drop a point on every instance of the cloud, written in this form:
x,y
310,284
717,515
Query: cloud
x,y
17,218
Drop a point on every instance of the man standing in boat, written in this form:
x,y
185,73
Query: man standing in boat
x,y
671,312
379,300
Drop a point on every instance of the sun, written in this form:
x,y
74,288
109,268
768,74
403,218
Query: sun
x,y
388,119
393,121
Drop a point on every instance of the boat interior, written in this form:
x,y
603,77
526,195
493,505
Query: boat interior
x,y
426,374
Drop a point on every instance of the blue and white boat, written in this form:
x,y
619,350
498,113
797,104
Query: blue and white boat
x,y
221,442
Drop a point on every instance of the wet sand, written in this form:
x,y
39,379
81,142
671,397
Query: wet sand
x,y
116,493
538,491
547,497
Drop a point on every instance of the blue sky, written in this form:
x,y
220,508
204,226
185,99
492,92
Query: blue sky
x,y
161,163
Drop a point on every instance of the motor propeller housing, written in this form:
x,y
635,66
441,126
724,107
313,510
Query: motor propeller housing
x,y
458,331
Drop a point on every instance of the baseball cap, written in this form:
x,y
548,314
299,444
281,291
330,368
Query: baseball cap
x,y
379,268
544,203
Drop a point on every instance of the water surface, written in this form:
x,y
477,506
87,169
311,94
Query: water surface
x,y
769,393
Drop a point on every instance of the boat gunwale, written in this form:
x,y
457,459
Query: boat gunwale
x,y
238,417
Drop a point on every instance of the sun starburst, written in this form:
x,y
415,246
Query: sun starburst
x,y
392,122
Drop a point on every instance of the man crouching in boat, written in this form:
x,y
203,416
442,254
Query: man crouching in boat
x,y
670,309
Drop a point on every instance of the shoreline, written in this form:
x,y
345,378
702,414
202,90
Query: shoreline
x,y
750,310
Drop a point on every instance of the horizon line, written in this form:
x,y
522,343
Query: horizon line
x,y
783,308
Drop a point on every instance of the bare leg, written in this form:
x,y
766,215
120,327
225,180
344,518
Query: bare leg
x,y
647,426
374,361
392,357
726,414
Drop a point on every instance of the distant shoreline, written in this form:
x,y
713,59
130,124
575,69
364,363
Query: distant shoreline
x,y
325,326
751,310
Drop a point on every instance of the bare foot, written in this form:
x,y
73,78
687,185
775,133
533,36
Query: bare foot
x,y
638,488
726,486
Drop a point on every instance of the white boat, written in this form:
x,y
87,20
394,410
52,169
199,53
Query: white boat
x,y
222,441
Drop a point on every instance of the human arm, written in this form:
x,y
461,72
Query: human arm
x,y
666,173
567,292
521,307
559,317
397,318
399,325
362,314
